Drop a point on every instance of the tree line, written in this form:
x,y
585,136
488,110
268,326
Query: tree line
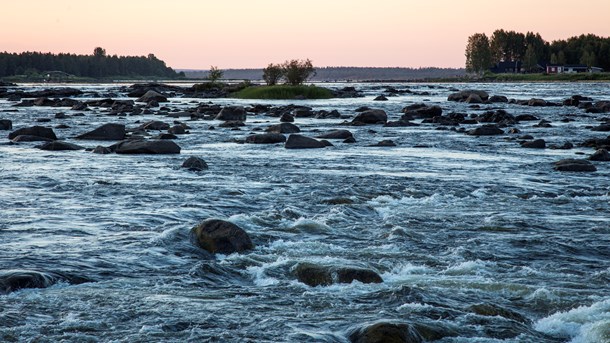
x,y
483,52
97,65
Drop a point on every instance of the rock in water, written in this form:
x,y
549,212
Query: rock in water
x,y
535,144
283,128
316,275
486,130
13,280
195,164
600,155
146,147
574,165
59,146
232,113
38,131
220,236
6,124
106,132
386,333
302,142
152,96
371,117
266,138
336,134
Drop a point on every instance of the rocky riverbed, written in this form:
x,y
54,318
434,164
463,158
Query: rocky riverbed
x,y
394,212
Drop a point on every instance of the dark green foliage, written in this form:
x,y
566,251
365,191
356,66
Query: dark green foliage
x,y
215,74
272,74
284,92
296,72
478,53
97,65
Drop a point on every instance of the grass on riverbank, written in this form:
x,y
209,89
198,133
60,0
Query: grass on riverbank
x,y
284,92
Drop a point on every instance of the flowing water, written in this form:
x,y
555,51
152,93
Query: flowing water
x,y
449,221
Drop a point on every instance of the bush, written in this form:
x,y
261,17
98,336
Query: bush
x,y
284,92
272,74
296,72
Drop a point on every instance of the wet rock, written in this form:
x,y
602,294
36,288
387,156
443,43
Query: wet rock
x,y
464,95
266,138
371,117
491,310
38,131
380,98
336,134
303,112
166,136
220,236
6,124
232,123
59,146
179,129
338,201
287,118
498,98
30,138
102,150
535,144
106,132
574,165
152,95
386,333
14,280
526,117
295,141
473,99
334,114
384,143
194,164
421,111
564,146
486,130
232,113
536,102
400,123
544,123
155,125
283,128
362,109
146,147
139,89
499,116
350,140
600,155
317,275
346,92
605,127
80,106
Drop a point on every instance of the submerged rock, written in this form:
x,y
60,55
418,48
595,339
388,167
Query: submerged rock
x,y
14,280
266,138
38,131
6,124
59,146
386,333
106,132
316,275
486,130
301,142
220,236
574,165
371,117
194,164
146,147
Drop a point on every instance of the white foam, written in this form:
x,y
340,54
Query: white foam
x,y
476,267
584,324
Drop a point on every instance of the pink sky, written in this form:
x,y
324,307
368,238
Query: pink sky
x,y
253,33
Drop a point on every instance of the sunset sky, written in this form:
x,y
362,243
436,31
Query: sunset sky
x,y
252,33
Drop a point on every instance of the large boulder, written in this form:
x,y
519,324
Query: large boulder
x,y
6,124
38,131
221,236
266,138
386,333
486,130
152,96
232,113
283,128
146,147
295,141
59,146
316,275
336,134
600,155
194,164
574,165
371,117
106,132
465,94
29,138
